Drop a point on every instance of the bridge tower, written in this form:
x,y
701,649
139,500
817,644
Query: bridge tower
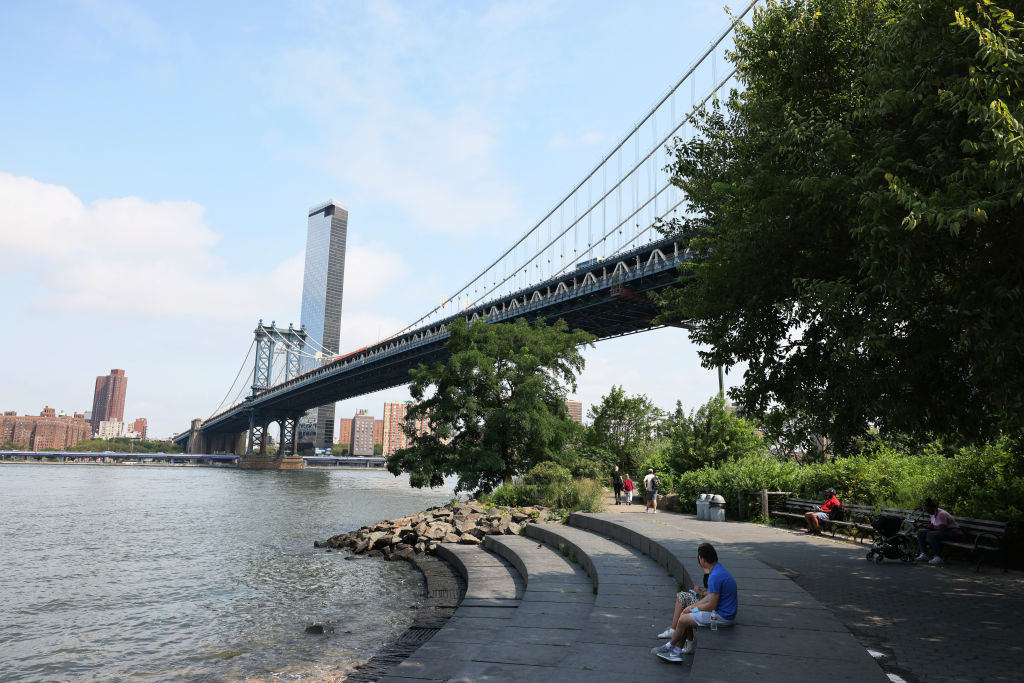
x,y
267,338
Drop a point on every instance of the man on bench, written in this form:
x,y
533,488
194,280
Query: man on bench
x,y
816,517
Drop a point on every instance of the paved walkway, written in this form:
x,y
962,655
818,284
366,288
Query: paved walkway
x,y
929,623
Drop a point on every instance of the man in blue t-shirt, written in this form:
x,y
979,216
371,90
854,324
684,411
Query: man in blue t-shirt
x,y
720,603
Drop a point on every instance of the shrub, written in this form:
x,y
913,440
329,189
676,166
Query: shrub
x,y
584,495
547,474
513,495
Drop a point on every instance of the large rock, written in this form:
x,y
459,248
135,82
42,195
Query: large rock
x,y
513,529
450,538
469,539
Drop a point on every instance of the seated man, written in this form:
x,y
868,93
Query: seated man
x,y
815,518
719,604
941,527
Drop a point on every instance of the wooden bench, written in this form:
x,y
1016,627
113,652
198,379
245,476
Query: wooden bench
x,y
981,536
857,520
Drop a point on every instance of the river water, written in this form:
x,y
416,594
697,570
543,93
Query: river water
x,y
158,573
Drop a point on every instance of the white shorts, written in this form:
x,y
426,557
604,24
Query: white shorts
x,y
704,619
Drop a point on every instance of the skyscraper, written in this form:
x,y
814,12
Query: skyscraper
x,y
322,285
108,398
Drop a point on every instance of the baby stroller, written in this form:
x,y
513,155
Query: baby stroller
x,y
891,541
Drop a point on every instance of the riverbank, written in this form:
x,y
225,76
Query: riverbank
x,y
466,523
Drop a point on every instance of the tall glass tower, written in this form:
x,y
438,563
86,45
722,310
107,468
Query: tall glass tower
x,y
322,287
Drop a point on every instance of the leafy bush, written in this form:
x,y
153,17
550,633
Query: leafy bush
x,y
513,495
547,474
584,495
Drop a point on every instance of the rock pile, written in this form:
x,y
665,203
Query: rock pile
x,y
465,523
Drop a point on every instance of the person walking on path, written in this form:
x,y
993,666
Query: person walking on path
x,y
718,606
627,486
617,484
651,484
941,527
815,518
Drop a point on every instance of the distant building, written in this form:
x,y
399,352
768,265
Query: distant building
x,y
115,429
322,285
140,427
378,433
575,411
394,436
108,398
344,431
47,430
361,442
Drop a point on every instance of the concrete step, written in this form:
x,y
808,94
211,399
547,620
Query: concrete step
x,y
782,631
493,591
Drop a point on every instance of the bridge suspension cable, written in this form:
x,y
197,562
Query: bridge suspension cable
x,y
245,364
625,189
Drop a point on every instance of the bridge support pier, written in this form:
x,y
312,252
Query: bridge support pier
x,y
257,455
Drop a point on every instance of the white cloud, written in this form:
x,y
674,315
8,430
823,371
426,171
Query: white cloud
x,y
151,258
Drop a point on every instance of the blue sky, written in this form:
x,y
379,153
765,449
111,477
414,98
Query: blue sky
x,y
157,161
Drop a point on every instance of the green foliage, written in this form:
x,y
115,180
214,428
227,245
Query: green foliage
x,y
339,449
495,408
584,495
512,495
546,475
709,436
124,445
854,213
620,425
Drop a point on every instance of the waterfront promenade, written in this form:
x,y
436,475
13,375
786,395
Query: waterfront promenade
x,y
586,601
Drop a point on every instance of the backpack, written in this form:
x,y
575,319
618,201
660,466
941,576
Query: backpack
x,y
837,514
656,483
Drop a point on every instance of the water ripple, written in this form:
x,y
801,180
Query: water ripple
x,y
150,574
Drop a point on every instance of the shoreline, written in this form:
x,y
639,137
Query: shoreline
x,y
318,468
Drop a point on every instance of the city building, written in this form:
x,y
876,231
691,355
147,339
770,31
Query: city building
x,y
362,433
322,285
394,436
378,433
344,431
108,398
140,427
115,429
575,411
47,430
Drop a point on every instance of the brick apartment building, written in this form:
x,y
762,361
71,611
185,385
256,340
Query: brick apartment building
x,y
46,430
394,418
108,398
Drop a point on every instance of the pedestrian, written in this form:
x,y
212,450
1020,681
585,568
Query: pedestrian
x,y
627,486
716,609
941,527
617,484
651,485
816,517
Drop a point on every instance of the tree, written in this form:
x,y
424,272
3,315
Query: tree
x,y
620,424
495,408
709,436
854,213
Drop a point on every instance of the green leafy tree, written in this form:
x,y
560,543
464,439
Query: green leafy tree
x,y
854,212
495,408
709,436
620,425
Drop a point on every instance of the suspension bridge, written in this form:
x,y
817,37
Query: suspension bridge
x,y
593,260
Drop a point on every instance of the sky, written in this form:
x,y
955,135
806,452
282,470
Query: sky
x,y
158,160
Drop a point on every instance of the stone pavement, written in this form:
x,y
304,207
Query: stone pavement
x,y
926,623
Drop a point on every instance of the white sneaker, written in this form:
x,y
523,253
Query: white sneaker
x,y
655,512
689,646
922,557
936,561
667,633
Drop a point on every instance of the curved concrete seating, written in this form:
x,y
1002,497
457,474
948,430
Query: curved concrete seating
x,y
782,632
493,591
